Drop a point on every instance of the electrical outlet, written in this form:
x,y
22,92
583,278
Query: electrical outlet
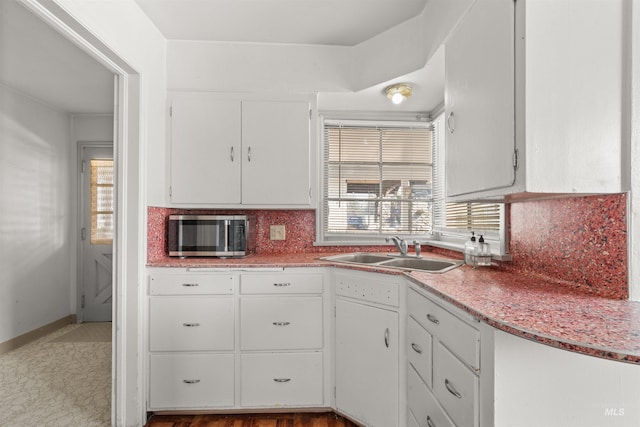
x,y
277,232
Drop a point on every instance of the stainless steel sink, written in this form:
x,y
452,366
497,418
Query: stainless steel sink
x,y
431,265
423,264
359,258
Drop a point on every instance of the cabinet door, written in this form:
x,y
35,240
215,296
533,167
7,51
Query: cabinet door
x,y
191,323
205,149
281,323
275,140
198,380
281,379
479,100
366,363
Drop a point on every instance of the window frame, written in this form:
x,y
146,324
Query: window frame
x,y
348,239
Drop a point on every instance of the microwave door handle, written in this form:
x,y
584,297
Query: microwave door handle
x,y
227,226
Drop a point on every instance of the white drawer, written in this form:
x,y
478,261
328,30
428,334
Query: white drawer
x,y
281,379
281,283
288,323
423,405
419,353
459,336
455,386
192,284
191,381
368,287
190,323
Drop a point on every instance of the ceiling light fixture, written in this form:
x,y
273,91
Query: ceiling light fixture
x,y
398,92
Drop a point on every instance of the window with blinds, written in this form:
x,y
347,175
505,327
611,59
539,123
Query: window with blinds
x,y
382,178
377,179
102,201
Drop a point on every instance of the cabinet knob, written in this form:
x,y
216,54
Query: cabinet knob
x,y
190,325
190,285
191,381
232,154
249,154
282,380
386,337
281,284
430,422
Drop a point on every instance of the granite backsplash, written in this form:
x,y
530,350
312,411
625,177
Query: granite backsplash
x,y
580,241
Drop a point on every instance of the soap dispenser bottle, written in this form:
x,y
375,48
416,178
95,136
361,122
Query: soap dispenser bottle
x,y
484,252
471,250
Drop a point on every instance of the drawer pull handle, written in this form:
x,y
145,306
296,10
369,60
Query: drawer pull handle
x,y
190,325
281,323
416,348
281,284
190,285
433,319
282,380
386,337
452,389
191,381
430,422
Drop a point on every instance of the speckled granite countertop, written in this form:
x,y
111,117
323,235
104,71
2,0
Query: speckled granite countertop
x,y
525,305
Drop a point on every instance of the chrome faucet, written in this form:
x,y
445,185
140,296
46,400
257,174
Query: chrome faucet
x,y
401,244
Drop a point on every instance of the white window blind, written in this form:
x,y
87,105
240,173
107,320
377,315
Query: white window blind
x,y
377,179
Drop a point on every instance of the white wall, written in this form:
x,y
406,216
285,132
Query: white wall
x,y
35,182
126,30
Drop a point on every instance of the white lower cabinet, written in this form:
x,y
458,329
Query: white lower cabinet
x,y
243,340
198,380
443,354
281,379
367,345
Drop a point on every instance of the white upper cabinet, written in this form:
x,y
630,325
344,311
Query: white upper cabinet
x,y
205,149
479,100
534,99
234,150
275,138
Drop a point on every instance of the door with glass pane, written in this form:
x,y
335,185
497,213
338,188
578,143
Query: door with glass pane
x,y
96,233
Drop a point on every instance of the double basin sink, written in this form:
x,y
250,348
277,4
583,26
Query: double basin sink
x,y
431,265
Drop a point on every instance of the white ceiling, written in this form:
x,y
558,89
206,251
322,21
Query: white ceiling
x,y
38,61
323,22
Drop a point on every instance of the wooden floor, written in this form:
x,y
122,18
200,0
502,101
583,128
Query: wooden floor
x,y
326,419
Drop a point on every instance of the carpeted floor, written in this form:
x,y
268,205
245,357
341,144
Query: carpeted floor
x,y
60,380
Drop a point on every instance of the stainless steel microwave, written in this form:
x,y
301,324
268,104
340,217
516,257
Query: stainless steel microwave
x,y
211,235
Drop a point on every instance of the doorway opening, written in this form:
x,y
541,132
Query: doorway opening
x,y
128,199
96,197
